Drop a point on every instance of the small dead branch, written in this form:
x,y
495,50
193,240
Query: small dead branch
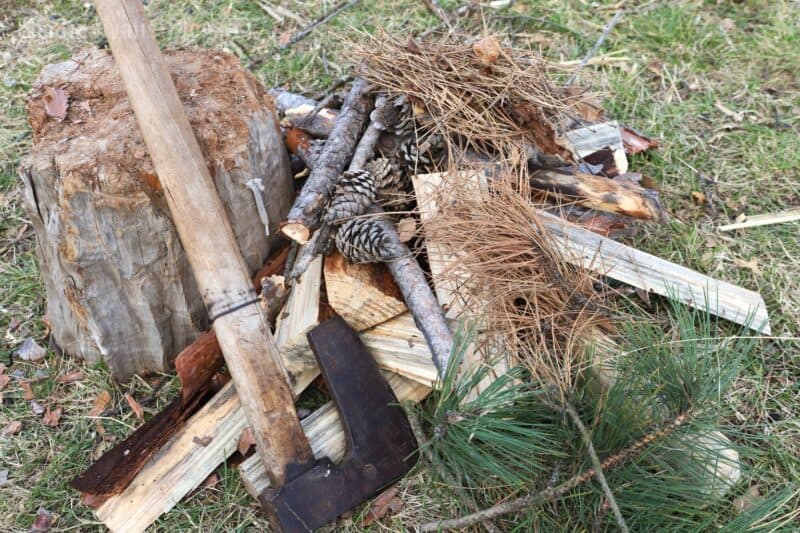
x,y
535,499
304,215
600,40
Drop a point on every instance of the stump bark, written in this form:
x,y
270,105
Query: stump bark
x,y
119,287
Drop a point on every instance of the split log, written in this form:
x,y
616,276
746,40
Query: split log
x,y
304,216
597,192
600,144
324,431
364,295
399,346
653,274
118,284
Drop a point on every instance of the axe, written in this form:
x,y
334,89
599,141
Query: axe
x,y
308,493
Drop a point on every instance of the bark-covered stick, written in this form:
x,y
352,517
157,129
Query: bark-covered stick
x,y
366,146
304,216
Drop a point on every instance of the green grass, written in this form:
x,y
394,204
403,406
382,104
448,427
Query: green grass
x,y
742,55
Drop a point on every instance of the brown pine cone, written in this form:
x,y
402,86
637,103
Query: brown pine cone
x,y
354,194
365,240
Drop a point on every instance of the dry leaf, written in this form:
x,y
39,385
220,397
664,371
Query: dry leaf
x,y
284,38
4,380
135,407
36,407
99,427
737,116
487,50
27,391
13,427
31,351
407,229
56,102
42,522
71,377
202,441
100,403
644,296
385,502
751,265
699,198
634,142
246,441
210,481
52,417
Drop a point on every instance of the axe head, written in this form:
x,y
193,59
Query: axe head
x,y
380,446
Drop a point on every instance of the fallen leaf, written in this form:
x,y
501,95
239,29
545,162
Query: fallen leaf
x,y
42,522
27,391
751,265
246,441
407,229
284,38
13,427
31,351
202,441
644,296
210,481
135,407
72,377
634,142
100,448
748,500
3,478
487,50
36,407
699,198
737,116
385,502
99,427
100,402
656,67
56,102
52,417
15,323
4,380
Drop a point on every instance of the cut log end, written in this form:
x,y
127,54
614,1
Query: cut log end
x,y
297,231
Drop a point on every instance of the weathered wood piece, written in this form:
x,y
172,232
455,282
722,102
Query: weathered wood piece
x,y
285,100
241,325
653,274
763,220
319,124
364,294
597,192
118,284
399,346
592,139
303,217
324,431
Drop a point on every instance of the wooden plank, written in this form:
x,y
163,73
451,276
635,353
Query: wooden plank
x,y
653,274
398,345
363,294
324,431
763,220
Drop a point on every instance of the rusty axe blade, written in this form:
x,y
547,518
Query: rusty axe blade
x,y
380,444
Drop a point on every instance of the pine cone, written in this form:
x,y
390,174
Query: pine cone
x,y
422,155
386,174
354,194
365,240
395,116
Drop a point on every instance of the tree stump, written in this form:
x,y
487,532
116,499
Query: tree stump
x,y
119,287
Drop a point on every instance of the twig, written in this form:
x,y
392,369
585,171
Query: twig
x,y
596,47
598,468
763,220
303,33
434,7
366,145
535,499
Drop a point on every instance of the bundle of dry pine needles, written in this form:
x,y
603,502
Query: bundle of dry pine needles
x,y
513,279
490,99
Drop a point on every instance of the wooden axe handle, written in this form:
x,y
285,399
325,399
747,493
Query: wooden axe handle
x,y
243,332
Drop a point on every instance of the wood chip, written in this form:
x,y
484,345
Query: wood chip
x,y
246,441
13,427
407,229
135,407
100,403
56,102
52,417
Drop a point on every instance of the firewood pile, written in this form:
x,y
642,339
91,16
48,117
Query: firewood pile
x,y
451,183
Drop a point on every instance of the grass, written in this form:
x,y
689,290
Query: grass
x,y
685,59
